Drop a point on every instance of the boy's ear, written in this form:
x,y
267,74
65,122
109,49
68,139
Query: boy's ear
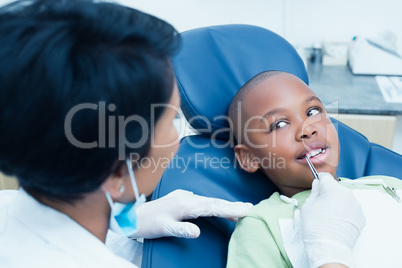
x,y
246,159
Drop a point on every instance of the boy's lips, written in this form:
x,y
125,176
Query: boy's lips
x,y
315,152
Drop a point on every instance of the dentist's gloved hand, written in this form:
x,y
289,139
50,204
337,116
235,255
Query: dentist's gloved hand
x,y
332,220
163,217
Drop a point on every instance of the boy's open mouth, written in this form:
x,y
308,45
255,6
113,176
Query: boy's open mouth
x,y
312,153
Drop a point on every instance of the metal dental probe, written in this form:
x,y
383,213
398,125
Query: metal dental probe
x,y
315,174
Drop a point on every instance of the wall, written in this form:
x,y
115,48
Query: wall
x,y
340,20
300,21
188,14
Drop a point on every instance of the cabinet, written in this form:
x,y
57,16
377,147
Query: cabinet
x,y
379,129
7,182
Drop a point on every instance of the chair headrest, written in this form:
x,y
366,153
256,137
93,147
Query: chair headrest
x,y
214,62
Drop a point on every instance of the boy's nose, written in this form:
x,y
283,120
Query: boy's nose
x,y
306,132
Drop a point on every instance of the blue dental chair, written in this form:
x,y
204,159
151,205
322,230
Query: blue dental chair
x,y
212,65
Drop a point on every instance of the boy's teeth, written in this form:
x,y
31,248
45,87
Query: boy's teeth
x,y
314,153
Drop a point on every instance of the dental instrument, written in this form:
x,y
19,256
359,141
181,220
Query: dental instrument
x,y
313,170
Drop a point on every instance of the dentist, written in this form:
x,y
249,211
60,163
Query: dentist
x,y
79,81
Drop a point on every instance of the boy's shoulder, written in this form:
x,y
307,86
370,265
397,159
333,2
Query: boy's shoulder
x,y
275,207
266,205
374,179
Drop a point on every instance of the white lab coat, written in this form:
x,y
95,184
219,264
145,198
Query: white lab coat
x,y
35,235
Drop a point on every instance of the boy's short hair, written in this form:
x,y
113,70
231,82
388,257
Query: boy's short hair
x,y
56,55
237,102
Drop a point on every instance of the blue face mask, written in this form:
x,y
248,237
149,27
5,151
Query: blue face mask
x,y
123,217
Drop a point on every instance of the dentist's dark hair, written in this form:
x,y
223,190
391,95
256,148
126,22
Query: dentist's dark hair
x,y
69,69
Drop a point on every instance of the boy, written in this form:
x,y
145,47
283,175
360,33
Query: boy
x,y
283,118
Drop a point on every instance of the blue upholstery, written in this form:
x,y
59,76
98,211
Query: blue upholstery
x,y
215,62
212,65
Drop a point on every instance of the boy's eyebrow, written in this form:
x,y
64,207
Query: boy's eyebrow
x,y
271,113
311,99
280,110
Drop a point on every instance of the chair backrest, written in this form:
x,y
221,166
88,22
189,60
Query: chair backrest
x,y
212,65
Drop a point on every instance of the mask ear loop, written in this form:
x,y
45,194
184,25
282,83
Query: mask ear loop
x,y
109,199
113,225
139,199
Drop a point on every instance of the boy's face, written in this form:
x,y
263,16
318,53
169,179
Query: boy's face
x,y
283,121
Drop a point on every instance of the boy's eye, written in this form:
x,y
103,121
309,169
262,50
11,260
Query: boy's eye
x,y
277,125
313,111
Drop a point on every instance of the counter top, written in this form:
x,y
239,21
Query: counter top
x,y
342,92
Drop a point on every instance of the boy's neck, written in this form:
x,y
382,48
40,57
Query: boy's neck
x,y
291,191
